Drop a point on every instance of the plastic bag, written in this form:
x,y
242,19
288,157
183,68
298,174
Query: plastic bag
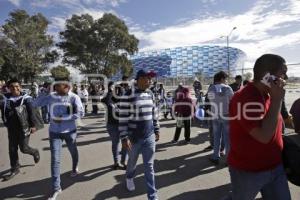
x,y
200,114
179,122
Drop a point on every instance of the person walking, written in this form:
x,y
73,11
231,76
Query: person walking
x,y
45,90
112,125
237,84
17,137
65,108
219,96
255,156
139,131
84,96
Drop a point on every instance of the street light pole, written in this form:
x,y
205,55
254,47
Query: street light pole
x,y
227,42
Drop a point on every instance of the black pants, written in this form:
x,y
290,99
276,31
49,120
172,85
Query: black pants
x,y
16,138
187,131
95,107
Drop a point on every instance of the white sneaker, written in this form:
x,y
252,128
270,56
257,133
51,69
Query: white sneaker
x,y
74,174
55,194
130,184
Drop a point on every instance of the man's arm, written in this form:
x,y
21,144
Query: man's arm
x,y
31,115
266,131
124,117
124,114
41,101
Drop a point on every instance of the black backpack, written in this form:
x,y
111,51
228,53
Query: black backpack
x,y
291,160
22,114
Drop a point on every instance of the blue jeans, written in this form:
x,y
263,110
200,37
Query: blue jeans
x,y
221,134
114,134
56,140
272,184
145,146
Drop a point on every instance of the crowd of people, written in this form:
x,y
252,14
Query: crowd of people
x,y
246,121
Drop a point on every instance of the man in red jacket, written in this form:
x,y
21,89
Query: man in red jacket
x,y
255,162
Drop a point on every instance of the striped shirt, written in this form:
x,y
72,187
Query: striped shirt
x,y
138,115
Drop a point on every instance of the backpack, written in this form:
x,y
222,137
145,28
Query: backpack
x,y
291,160
22,115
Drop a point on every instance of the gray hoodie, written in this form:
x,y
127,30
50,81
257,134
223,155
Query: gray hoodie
x,y
219,95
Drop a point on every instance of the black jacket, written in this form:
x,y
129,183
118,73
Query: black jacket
x,y
8,112
110,101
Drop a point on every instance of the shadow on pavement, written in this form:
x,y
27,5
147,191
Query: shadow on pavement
x,y
91,132
8,170
82,143
81,133
182,168
199,139
39,190
217,193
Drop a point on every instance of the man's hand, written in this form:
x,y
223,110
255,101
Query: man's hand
x,y
289,122
277,91
156,137
57,120
126,144
32,130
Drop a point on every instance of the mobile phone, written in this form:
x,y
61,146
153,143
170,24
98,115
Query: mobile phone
x,y
268,78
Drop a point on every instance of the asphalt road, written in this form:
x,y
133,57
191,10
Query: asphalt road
x,y
183,172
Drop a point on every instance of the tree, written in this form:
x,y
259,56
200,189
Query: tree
x,y
60,73
98,46
24,46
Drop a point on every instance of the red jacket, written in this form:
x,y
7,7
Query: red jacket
x,y
184,105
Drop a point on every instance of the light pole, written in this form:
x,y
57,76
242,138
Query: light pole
x,y
227,42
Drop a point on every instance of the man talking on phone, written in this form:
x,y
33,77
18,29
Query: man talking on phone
x,y
255,162
139,130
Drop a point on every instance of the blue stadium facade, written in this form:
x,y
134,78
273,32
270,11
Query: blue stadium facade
x,y
187,61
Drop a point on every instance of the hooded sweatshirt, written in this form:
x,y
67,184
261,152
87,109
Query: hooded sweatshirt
x,y
219,96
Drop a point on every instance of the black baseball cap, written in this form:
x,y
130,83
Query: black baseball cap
x,y
143,73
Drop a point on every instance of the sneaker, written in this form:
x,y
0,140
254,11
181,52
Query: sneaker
x,y
214,161
130,184
174,141
12,174
55,194
74,173
187,141
124,166
116,166
36,156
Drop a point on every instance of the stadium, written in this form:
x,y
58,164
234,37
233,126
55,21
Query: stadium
x,y
190,61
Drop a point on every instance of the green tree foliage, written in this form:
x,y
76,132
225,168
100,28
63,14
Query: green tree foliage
x,y
25,46
60,73
98,46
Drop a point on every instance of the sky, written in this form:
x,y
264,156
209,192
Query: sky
x,y
262,26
